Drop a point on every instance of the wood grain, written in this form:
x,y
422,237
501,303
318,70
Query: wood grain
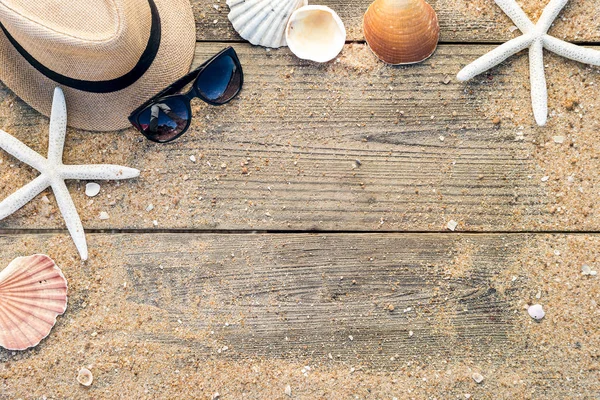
x,y
356,297
460,20
351,145
178,303
153,313
159,302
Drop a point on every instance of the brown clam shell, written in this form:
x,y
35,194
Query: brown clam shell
x,y
401,31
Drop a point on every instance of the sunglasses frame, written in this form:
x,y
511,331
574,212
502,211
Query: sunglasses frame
x,y
172,91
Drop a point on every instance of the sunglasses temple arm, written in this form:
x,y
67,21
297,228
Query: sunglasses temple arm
x,y
176,86
179,84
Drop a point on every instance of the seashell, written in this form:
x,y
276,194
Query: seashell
x,y
477,377
85,377
315,33
401,31
262,22
536,312
92,189
33,291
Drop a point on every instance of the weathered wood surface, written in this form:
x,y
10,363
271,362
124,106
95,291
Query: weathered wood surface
x,y
351,145
471,21
147,307
290,295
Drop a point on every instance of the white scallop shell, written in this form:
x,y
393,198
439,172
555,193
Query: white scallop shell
x,y
33,291
262,22
315,33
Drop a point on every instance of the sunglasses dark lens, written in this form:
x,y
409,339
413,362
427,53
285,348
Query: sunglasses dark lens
x,y
220,81
165,120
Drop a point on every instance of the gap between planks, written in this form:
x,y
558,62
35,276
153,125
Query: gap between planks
x,y
15,232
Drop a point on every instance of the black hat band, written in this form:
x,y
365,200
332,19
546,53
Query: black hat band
x,y
108,86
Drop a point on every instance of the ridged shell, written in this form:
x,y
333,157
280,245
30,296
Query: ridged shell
x,y
315,33
33,291
401,31
262,22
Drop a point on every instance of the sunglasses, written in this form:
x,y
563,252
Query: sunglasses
x,y
168,115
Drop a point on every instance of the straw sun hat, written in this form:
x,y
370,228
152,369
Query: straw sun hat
x,y
108,56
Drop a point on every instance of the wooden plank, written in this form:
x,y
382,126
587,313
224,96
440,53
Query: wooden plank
x,y
196,313
351,145
460,20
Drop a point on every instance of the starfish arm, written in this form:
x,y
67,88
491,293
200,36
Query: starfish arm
x,y
571,51
494,57
516,14
20,151
22,196
539,91
58,127
100,171
69,212
550,13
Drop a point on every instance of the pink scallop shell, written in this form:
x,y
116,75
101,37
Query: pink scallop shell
x,y
33,291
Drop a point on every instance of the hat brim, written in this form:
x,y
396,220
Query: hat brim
x,y
108,111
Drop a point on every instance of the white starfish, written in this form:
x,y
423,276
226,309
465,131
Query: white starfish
x,y
54,172
536,38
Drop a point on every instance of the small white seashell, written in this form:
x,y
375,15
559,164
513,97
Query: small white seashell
x,y
104,215
92,189
33,292
536,312
85,377
586,270
477,377
452,225
262,22
288,391
315,33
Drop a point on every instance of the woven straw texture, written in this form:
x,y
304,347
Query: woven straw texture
x,y
94,42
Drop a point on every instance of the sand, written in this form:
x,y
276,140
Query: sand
x,y
558,357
